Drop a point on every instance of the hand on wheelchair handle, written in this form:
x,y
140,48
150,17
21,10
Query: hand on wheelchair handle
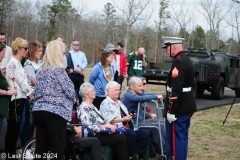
x,y
159,98
171,117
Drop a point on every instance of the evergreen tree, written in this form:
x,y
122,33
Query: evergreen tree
x,y
199,37
109,17
58,10
163,15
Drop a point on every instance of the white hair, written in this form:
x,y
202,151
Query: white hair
x,y
84,89
109,86
133,81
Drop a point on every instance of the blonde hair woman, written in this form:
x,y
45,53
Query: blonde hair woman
x,y
18,80
54,96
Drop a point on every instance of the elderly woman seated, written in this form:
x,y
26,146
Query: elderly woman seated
x,y
89,115
116,113
131,98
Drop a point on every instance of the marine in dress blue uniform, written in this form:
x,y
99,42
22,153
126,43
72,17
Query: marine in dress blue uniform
x,y
180,103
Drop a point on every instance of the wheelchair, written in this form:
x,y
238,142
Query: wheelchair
x,y
72,152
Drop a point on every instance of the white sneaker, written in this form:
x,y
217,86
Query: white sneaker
x,y
19,151
29,153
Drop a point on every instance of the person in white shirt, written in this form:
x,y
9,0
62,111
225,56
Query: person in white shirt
x,y
77,62
18,80
8,53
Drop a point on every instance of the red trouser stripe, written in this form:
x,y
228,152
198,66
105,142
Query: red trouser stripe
x,y
173,143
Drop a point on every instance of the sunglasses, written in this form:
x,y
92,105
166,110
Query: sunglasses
x,y
25,48
76,44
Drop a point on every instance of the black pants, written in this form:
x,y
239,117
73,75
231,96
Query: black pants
x,y
13,126
90,144
27,123
78,80
97,101
118,142
50,134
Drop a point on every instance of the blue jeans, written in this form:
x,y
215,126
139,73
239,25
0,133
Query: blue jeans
x,y
137,141
27,124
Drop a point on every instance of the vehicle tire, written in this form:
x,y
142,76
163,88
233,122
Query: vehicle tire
x,y
28,147
217,90
237,92
200,89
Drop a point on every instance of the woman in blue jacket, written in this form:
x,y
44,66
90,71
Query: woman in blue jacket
x,y
102,73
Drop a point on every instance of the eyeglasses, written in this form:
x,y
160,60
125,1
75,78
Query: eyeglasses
x,y
76,44
25,48
144,84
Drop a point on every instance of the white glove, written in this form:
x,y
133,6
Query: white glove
x,y
171,117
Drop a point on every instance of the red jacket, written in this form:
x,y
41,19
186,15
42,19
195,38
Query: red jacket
x,y
123,63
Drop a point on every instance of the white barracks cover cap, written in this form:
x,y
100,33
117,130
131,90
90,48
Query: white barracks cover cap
x,y
171,40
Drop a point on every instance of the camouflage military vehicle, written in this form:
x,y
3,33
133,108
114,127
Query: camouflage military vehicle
x,y
214,70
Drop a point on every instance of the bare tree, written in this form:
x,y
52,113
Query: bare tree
x,y
180,14
214,12
5,6
131,25
41,20
234,20
75,18
11,20
131,12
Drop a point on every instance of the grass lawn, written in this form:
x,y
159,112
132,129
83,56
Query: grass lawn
x,y
209,139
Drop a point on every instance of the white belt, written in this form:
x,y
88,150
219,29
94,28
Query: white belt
x,y
188,89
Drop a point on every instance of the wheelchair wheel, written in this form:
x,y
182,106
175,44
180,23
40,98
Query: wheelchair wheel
x,y
71,153
28,150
